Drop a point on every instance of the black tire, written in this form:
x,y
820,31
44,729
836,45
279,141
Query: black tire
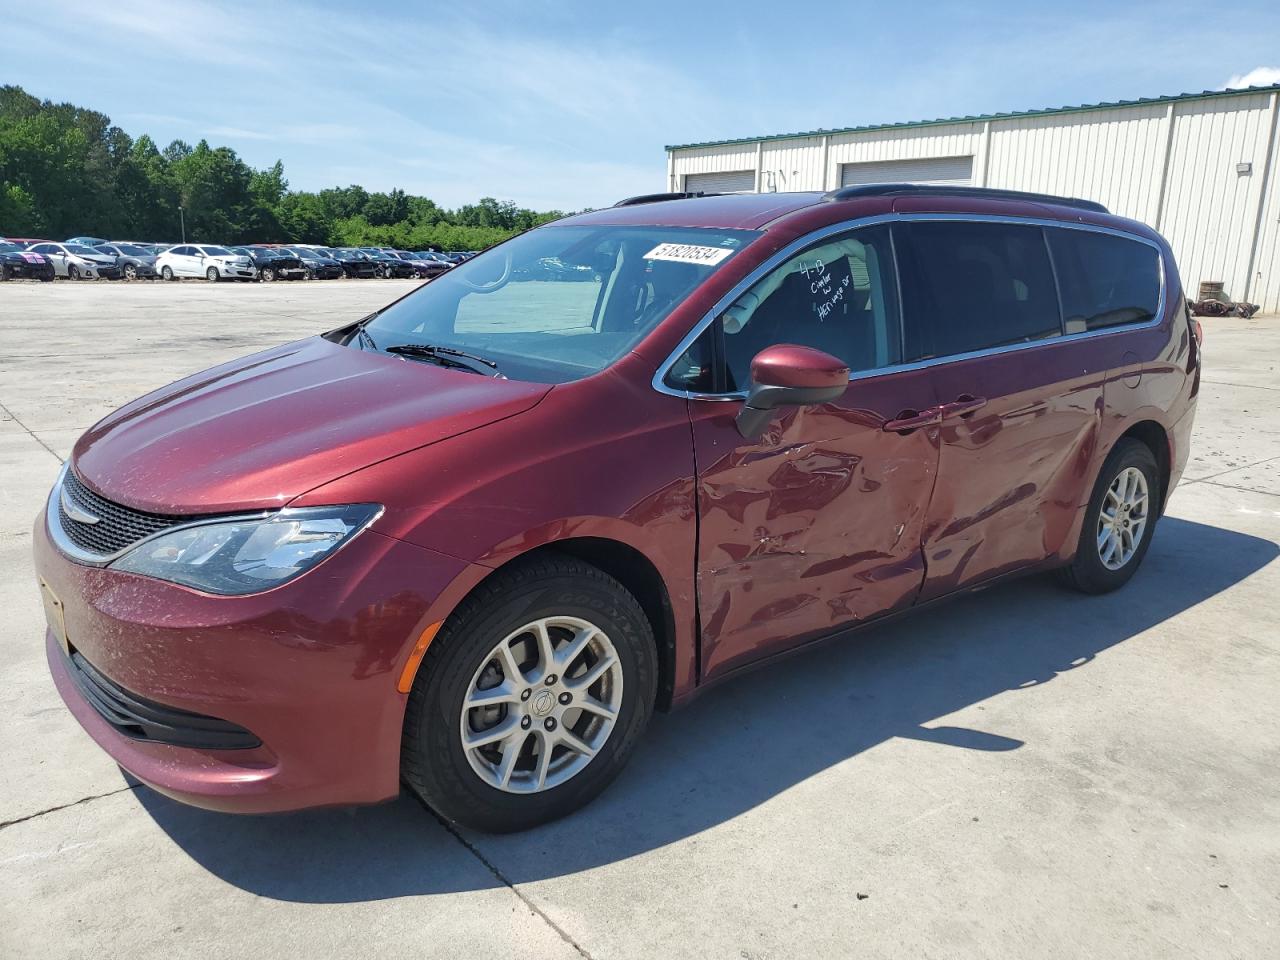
x,y
47,277
4,272
1087,573
166,272
432,760
73,272
309,275
212,275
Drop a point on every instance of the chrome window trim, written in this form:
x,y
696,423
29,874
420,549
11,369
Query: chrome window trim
x,y
844,226
75,553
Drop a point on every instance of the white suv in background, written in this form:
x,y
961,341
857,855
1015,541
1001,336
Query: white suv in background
x,y
204,260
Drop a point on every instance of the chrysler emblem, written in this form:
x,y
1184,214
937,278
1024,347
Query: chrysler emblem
x,y
76,513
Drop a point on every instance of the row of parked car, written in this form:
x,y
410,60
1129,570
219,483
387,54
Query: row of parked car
x,y
91,258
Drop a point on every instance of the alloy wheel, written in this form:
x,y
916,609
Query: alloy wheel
x,y
541,705
1123,518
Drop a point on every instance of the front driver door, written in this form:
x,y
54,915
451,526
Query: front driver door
x,y
817,523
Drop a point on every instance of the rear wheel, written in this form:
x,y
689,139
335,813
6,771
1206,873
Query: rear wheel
x,y
1119,521
212,275
531,698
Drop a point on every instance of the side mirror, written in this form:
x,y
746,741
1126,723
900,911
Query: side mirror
x,y
789,375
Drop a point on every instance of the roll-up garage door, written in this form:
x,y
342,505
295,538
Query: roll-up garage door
x,y
733,181
948,171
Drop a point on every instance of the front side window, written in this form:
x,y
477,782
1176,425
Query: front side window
x,y
1106,280
560,302
973,286
838,295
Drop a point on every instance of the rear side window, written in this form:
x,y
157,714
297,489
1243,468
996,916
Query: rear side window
x,y
1106,281
973,286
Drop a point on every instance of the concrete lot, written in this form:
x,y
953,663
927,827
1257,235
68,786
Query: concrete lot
x,y
1022,773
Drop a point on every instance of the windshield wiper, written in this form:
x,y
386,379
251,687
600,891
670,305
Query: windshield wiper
x,y
446,357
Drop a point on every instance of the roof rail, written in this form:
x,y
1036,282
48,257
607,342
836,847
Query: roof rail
x,y
659,197
932,190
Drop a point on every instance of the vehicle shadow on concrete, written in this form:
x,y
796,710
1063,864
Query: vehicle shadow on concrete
x,y
742,743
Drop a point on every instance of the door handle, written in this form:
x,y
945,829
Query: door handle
x,y
963,406
909,420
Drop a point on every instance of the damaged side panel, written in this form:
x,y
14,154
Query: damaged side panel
x,y
816,524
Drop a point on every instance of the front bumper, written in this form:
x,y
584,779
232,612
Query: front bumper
x,y
235,271
309,669
25,270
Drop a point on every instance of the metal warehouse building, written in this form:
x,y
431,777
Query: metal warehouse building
x,y
1200,168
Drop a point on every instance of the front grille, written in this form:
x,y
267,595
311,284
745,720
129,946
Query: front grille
x,y
142,719
118,527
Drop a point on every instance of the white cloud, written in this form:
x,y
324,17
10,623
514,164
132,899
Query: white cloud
x,y
1257,77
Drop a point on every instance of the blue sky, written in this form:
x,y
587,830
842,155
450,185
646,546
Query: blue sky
x,y
568,105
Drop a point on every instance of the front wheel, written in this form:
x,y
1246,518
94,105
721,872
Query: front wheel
x,y
531,698
130,272
211,275
1119,521
267,274
73,272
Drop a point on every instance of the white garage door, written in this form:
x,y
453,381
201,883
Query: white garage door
x,y
734,181
949,171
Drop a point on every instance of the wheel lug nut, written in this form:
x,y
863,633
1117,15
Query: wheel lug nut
x,y
525,723
551,679
550,723
565,697
525,694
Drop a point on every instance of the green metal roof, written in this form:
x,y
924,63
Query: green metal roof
x,y
1047,111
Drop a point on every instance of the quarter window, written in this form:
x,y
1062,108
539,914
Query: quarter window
x,y
1106,280
974,286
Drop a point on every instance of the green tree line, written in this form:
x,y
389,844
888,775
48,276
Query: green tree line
x,y
68,171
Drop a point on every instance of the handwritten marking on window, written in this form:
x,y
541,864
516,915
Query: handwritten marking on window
x,y
827,291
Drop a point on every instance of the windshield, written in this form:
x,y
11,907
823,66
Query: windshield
x,y
81,250
129,250
560,302
10,248
216,251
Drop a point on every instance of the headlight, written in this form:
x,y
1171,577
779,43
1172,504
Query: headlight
x,y
233,557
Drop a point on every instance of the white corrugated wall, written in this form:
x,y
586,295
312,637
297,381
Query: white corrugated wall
x,y
1113,157
1210,210
1121,156
1265,287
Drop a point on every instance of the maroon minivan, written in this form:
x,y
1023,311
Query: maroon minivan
x,y
473,540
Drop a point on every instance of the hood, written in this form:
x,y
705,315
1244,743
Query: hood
x,y
257,432
103,258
